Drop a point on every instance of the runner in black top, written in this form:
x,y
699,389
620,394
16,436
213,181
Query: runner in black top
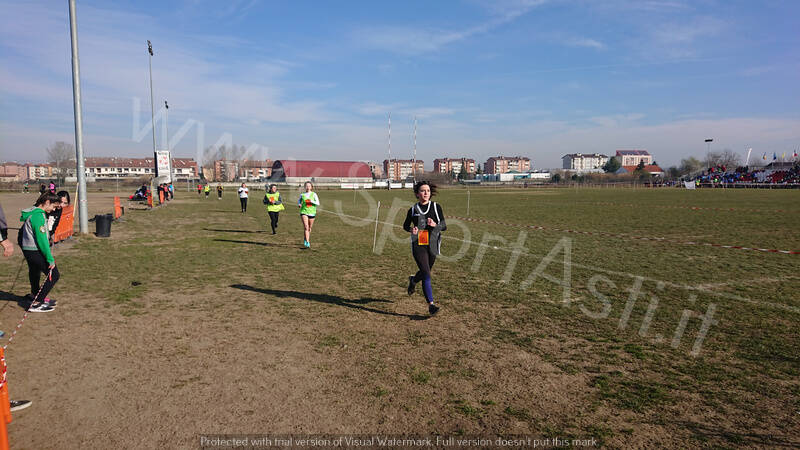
x,y
425,222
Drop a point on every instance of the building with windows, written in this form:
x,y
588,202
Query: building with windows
x,y
101,168
502,164
12,171
634,157
39,171
255,170
377,170
400,169
581,162
454,165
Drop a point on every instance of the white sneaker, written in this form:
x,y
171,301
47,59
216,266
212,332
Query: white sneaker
x,y
40,307
16,405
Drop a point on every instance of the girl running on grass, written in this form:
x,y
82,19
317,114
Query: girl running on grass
x,y
274,204
308,203
425,222
243,194
34,240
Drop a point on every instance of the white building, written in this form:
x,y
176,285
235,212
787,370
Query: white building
x,y
634,157
581,162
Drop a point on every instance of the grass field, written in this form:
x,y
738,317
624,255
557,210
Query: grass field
x,y
191,319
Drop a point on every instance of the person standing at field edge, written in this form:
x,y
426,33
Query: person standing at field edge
x,y
34,240
274,204
425,222
8,250
219,191
243,194
308,203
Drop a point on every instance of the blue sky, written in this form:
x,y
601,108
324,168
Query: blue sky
x,y
538,78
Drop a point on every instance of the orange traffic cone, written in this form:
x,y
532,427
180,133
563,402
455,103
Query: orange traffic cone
x,y
5,404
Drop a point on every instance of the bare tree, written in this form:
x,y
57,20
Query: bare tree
x,y
62,156
727,158
690,166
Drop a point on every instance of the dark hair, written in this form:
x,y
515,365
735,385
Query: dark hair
x,y
419,184
46,197
61,194
272,186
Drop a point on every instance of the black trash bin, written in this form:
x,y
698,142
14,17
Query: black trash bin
x,y
103,224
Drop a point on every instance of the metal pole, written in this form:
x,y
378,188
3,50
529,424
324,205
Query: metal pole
x,y
468,202
152,110
414,163
83,214
375,236
172,178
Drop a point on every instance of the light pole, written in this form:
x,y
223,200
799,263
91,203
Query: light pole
x,y
152,115
83,214
172,179
708,152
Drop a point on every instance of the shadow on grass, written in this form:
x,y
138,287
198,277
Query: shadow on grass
x,y
263,244
233,231
21,301
704,432
332,300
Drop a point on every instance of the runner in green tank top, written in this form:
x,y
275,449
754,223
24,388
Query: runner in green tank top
x,y
308,203
274,204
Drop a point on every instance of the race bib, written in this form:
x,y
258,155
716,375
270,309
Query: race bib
x,y
308,202
423,237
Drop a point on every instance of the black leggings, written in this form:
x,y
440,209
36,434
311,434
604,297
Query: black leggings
x,y
36,266
243,201
273,219
425,261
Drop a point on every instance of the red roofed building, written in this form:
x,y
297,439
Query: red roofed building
x,y
293,171
454,165
401,169
634,157
118,167
502,164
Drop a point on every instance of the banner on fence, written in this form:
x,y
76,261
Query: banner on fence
x,y
689,184
65,225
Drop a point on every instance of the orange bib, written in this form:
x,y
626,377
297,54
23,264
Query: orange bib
x,y
422,236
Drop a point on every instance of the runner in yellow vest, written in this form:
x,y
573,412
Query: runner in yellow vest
x,y
274,204
207,189
308,203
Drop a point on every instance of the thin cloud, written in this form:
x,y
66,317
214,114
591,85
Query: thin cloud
x,y
585,42
409,40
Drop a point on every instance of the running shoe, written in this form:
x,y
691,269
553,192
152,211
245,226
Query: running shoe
x,y
16,405
411,286
306,244
433,309
49,302
40,307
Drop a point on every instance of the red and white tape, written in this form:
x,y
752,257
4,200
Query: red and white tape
x,y
694,208
628,236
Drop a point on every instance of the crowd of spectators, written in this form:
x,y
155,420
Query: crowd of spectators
x,y
790,174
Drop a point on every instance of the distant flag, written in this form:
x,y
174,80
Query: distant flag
x,y
747,163
783,157
774,156
764,156
795,154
